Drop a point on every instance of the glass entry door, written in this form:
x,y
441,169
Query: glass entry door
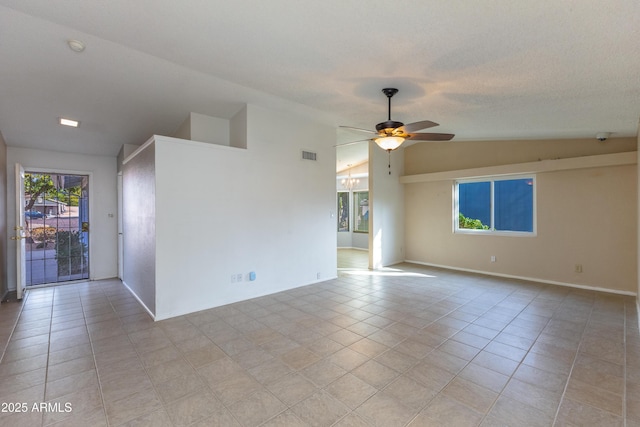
x,y
56,213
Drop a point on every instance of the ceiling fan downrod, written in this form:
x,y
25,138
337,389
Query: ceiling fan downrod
x,y
389,124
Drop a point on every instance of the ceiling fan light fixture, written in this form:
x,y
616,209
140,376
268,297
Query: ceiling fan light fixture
x,y
389,142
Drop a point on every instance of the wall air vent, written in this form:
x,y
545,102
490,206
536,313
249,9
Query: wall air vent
x,y
309,155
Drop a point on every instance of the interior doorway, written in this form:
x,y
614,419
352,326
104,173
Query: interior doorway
x,y
352,208
56,213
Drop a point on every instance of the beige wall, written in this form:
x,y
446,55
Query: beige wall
x,y
584,216
4,235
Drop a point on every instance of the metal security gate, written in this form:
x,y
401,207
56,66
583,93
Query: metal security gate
x,y
56,215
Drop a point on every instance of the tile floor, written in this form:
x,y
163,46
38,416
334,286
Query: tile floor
x,y
411,346
353,258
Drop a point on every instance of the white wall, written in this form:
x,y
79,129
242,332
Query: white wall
x,y
386,200
103,203
198,127
221,211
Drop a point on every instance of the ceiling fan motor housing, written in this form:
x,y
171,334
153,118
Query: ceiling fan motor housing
x,y
389,124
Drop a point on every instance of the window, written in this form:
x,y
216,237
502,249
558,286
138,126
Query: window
x,y
361,211
495,205
343,211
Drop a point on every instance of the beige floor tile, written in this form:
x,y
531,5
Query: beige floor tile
x,y
292,388
470,394
471,339
12,355
146,374
537,397
72,383
124,384
445,361
375,374
385,410
496,363
430,376
252,358
84,403
285,419
157,418
179,387
400,362
270,371
443,411
299,358
204,355
70,354
348,359
485,377
257,408
368,347
193,408
21,366
162,355
547,363
599,373
168,370
320,409
234,388
458,349
412,394
595,396
322,347
322,373
23,381
219,370
351,390
514,412
575,413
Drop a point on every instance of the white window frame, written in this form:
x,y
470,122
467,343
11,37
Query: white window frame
x,y
491,230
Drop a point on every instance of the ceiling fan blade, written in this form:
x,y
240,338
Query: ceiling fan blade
x,y
430,136
412,127
352,142
358,129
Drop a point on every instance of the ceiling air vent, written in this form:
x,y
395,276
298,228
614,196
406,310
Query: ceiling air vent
x,y
309,155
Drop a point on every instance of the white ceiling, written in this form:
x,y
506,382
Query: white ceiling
x,y
499,69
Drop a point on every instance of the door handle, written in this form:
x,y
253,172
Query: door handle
x,y
17,237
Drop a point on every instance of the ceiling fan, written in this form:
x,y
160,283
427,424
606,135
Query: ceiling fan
x,y
390,135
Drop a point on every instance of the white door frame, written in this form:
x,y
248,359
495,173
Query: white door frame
x,y
21,268
20,189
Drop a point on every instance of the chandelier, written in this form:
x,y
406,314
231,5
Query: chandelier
x,y
350,182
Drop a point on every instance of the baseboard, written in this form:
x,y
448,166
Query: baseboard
x,y
638,312
153,316
530,279
354,248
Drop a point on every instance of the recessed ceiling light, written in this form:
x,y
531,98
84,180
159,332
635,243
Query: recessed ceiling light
x,y
69,122
76,45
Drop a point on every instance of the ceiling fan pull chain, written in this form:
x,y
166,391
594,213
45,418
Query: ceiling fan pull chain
x,y
389,151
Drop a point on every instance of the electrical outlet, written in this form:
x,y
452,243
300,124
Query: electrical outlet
x,y
493,258
239,277
578,268
233,278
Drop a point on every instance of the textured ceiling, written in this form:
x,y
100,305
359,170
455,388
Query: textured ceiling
x,y
492,70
